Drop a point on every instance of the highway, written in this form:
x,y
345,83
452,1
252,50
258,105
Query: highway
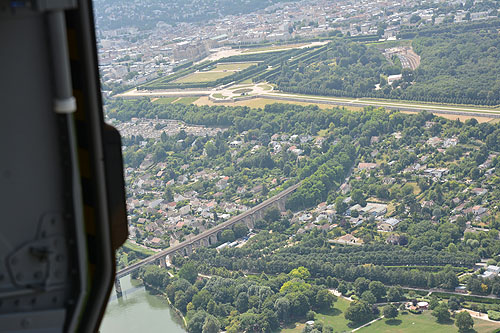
x,y
127,270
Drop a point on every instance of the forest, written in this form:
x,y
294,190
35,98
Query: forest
x,y
458,68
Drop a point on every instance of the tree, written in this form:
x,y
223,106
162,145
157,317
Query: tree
x,y
357,196
433,303
390,311
464,321
210,149
282,308
197,321
227,236
180,300
368,297
242,302
155,276
300,273
453,303
211,325
441,313
378,289
240,230
272,215
361,284
324,299
189,272
202,299
415,18
395,294
358,312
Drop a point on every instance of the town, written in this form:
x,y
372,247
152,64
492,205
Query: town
x,y
130,55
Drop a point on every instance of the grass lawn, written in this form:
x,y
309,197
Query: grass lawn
x,y
335,317
274,47
262,102
136,248
425,322
220,71
265,86
186,100
416,189
218,95
242,91
293,328
233,66
165,100
202,77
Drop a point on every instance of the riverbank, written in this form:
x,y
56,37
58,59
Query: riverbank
x,y
165,296
139,307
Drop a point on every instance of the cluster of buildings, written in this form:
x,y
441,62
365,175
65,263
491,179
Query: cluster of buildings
x,y
158,221
133,54
154,128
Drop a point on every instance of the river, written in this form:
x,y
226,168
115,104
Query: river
x,y
139,311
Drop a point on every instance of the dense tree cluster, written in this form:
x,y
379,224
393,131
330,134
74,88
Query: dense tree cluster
x,y
455,68
242,304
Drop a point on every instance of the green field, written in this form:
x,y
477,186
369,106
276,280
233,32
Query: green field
x,y
231,66
335,317
186,100
425,322
220,71
274,48
136,248
165,100
202,77
242,91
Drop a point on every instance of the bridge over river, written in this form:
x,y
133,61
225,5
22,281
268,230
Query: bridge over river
x,y
210,236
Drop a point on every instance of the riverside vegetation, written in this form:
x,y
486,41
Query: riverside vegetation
x,y
434,181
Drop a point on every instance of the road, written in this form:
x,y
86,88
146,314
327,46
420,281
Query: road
x,y
127,270
259,91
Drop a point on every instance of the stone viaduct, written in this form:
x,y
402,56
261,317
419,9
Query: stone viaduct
x,y
208,237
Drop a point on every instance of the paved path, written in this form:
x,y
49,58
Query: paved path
x,y
367,324
482,316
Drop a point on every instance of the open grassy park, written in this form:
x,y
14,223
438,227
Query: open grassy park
x,y
405,323
221,70
334,318
425,322
203,76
